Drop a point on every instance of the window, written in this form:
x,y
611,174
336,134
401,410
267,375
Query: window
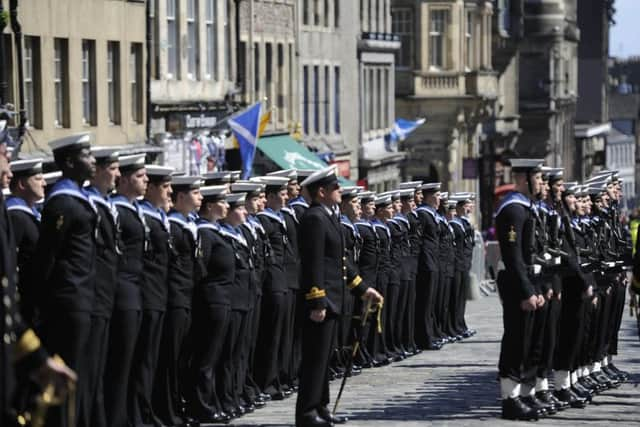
x,y
113,81
32,97
336,100
316,12
370,104
155,39
437,38
281,82
61,81
402,26
88,82
327,100
468,40
173,53
192,40
504,18
227,40
135,81
305,12
268,57
336,13
316,99
211,29
326,13
380,101
256,69
305,99
386,96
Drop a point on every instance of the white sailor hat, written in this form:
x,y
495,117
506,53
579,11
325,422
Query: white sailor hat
x,y
304,173
292,174
414,185
407,193
105,154
431,186
27,167
581,190
213,193
451,204
235,175
186,182
51,178
606,179
157,173
444,195
351,191
322,177
556,174
367,196
77,141
274,183
236,199
129,164
526,165
462,198
394,194
251,189
217,178
383,200
594,190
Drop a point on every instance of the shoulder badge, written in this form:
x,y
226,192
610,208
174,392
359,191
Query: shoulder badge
x,y
59,222
512,235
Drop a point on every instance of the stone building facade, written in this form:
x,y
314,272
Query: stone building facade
x,y
447,76
83,68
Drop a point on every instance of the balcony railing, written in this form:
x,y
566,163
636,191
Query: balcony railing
x,y
439,84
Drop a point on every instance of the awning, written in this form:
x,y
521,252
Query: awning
x,y
287,153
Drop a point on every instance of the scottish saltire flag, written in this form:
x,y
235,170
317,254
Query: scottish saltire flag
x,y
245,127
401,129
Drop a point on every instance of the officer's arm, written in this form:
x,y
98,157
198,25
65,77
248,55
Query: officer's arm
x,y
510,229
312,252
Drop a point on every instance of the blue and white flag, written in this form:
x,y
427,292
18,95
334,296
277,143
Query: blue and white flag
x,y
401,129
245,128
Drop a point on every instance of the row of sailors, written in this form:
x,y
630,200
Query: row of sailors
x,y
177,298
565,254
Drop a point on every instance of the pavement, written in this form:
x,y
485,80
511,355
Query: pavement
x,y
457,386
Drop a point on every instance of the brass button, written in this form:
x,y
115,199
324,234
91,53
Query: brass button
x,y
344,258
7,339
344,267
5,282
8,320
7,301
344,278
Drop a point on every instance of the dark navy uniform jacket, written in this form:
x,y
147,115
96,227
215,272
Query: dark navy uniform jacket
x,y
326,274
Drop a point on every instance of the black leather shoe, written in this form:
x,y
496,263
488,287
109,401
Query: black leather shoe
x,y
327,415
312,419
259,403
265,396
548,398
434,346
589,386
278,395
613,379
624,375
190,422
566,395
515,409
581,392
535,404
593,384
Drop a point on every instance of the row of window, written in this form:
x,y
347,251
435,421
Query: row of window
x,y
321,99
377,93
321,13
213,17
375,15
35,72
439,46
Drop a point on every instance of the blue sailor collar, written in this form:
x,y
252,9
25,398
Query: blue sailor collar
x,y
457,221
15,203
299,201
344,220
154,212
253,221
233,233
401,217
365,222
68,187
202,223
96,197
179,219
379,224
515,197
430,210
268,212
542,205
291,212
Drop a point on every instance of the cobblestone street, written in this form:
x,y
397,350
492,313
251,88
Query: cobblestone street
x,y
457,386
